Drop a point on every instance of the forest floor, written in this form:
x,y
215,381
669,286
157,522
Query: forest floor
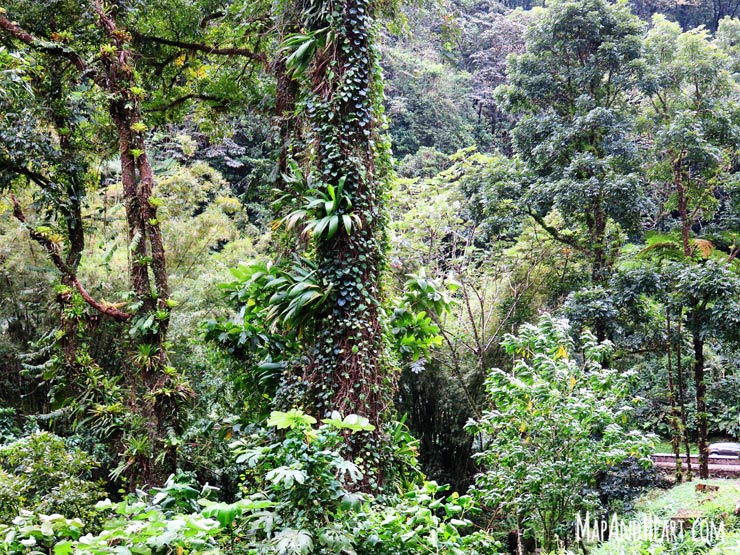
x,y
684,520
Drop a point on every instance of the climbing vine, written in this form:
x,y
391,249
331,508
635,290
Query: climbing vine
x,y
337,208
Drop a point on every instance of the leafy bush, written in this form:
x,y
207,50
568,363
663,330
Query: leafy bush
x,y
300,496
41,474
317,505
8,428
556,422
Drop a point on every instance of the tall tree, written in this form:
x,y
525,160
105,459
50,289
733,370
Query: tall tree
x,y
90,86
692,109
574,134
335,61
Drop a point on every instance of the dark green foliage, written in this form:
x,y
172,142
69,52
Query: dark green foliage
x,y
723,405
413,328
570,87
621,484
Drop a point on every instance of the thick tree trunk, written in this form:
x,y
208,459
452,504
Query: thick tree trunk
x,y
347,357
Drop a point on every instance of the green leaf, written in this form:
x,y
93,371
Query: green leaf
x,y
292,419
63,548
351,422
333,226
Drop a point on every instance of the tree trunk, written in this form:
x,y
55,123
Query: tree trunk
x,y
683,211
682,399
148,256
701,405
346,358
675,415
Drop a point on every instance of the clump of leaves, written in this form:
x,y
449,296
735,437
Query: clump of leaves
x,y
40,473
557,421
413,322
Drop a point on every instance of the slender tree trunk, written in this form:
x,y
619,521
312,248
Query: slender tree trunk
x,y
701,405
285,118
600,263
148,268
683,211
675,415
682,399
72,213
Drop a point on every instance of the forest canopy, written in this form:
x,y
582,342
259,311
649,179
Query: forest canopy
x,y
361,276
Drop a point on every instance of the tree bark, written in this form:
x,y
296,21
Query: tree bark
x,y
683,212
352,375
147,247
682,400
701,405
675,415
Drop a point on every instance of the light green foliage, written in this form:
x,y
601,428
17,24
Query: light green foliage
x,y
299,498
421,520
557,420
39,473
30,533
315,504
414,328
459,216
301,470
134,525
691,120
467,224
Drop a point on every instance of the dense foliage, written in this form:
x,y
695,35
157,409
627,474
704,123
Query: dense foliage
x,y
271,272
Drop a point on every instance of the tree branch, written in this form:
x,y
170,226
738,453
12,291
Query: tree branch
x,y
53,250
43,45
185,98
39,179
205,48
555,234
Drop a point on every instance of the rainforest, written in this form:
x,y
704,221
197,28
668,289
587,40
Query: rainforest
x,y
354,277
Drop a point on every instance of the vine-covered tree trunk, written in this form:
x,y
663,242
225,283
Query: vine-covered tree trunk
x,y
346,358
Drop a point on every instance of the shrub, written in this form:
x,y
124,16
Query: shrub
x,y
556,421
39,473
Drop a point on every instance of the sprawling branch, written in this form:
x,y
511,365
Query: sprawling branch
x,y
557,235
205,48
43,45
39,179
185,98
53,250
